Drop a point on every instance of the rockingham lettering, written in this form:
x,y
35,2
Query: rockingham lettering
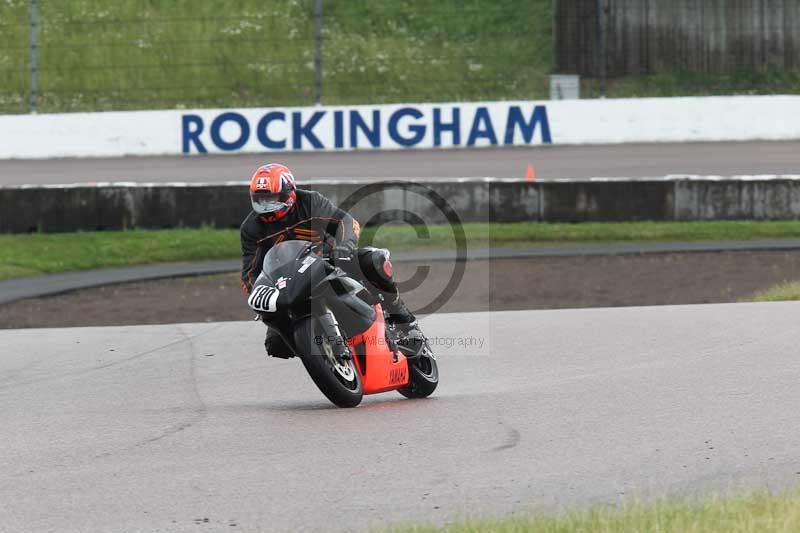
x,y
388,127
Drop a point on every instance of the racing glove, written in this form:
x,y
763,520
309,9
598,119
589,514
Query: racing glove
x,y
344,251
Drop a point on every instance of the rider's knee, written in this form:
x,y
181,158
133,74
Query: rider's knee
x,y
376,267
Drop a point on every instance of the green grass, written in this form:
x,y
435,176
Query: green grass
x,y
165,54
44,253
756,513
47,253
140,54
786,291
695,84
537,234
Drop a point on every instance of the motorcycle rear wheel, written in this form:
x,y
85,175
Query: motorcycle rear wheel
x,y
339,381
423,376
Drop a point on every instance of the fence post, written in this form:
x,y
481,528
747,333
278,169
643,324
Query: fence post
x,y
601,45
34,61
318,51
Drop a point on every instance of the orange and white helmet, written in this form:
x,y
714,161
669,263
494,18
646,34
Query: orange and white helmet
x,y
272,191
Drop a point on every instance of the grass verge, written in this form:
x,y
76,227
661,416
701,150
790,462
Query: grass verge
x,y
39,253
164,54
49,253
784,292
756,513
695,84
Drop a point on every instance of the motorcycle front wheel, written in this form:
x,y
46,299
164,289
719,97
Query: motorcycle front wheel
x,y
338,380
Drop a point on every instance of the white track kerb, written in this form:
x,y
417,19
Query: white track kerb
x,y
400,126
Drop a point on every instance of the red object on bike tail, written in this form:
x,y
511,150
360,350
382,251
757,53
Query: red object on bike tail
x,y
375,360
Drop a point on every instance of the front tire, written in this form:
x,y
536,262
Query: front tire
x,y
339,381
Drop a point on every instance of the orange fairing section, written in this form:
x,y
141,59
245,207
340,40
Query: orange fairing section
x,y
375,361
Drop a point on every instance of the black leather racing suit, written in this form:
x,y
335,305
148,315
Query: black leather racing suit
x,y
314,218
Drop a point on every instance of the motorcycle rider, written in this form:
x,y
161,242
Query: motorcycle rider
x,y
282,212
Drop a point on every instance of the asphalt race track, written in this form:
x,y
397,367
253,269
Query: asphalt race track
x,y
188,428
622,160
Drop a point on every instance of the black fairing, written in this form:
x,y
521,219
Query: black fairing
x,y
312,284
349,301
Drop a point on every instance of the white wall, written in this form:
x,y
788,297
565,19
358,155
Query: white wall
x,y
392,127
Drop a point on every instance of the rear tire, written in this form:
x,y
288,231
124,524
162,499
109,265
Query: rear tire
x,y
340,382
423,376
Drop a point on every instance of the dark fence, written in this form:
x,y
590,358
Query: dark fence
x,y
650,36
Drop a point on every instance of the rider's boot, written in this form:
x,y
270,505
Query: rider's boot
x,y
275,345
404,321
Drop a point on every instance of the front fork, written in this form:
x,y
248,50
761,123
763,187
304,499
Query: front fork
x,y
333,335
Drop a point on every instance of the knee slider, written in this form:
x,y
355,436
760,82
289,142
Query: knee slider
x,y
377,267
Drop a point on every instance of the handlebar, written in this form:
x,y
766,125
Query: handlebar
x,y
324,249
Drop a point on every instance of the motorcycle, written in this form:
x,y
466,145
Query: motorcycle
x,y
338,328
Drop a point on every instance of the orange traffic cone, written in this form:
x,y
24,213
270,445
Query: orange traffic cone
x,y
530,173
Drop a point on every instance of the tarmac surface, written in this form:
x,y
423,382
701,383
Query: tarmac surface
x,y
190,428
555,161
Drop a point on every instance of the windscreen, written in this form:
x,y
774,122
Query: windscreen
x,y
283,254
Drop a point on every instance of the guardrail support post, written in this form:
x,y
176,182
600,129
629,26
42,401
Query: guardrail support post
x,y
318,52
34,63
601,45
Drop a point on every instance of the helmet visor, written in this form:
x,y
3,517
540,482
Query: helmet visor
x,y
267,202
